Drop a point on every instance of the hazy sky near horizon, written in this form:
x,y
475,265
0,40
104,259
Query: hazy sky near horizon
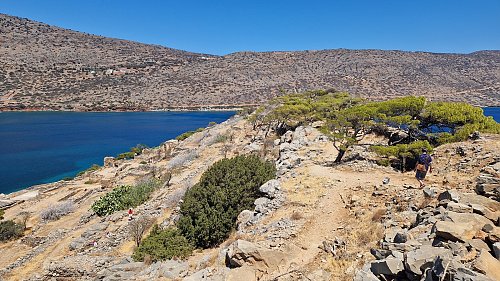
x,y
222,27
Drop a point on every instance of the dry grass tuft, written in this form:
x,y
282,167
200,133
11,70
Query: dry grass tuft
x,y
296,216
360,236
378,215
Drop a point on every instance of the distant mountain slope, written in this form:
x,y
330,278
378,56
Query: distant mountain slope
x,y
46,67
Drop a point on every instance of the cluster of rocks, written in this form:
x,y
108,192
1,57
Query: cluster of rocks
x,y
458,239
488,182
272,199
289,144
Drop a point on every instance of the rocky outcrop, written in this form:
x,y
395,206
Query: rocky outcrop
x,y
451,241
488,182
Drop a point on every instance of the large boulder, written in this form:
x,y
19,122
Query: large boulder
x,y
242,273
454,231
450,195
365,274
475,220
420,259
488,265
243,252
271,188
172,269
390,266
465,274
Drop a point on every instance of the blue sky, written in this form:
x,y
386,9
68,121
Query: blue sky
x,y
222,27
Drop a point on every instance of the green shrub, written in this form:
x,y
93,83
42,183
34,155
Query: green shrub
x,y
125,155
124,197
2,212
10,230
187,134
134,151
163,245
92,168
210,208
221,138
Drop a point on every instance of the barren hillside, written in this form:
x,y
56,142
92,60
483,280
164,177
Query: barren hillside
x,y
46,67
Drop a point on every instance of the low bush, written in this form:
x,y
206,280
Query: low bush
x,y
2,212
124,197
92,168
10,230
55,212
163,245
134,151
210,208
187,134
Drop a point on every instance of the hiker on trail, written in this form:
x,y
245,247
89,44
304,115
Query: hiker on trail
x,y
423,165
130,213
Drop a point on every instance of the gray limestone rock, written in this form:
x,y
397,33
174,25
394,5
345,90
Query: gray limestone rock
x,y
365,274
459,207
271,188
172,269
450,195
496,250
389,266
419,259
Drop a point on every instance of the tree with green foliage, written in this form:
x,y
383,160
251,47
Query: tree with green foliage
x,y
210,208
162,245
346,119
2,212
348,127
403,152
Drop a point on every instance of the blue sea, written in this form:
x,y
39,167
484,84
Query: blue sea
x,y
42,147
492,111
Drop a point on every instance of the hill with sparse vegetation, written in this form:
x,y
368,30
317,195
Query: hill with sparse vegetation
x,y
44,67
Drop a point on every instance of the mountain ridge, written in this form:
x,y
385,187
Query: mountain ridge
x,y
43,67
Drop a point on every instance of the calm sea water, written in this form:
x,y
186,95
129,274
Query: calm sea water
x,y
42,147
493,111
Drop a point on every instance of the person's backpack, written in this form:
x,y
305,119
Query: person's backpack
x,y
423,161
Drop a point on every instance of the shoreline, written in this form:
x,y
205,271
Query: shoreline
x,y
193,108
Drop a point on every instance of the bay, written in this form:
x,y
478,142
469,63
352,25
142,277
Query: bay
x,y
42,147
